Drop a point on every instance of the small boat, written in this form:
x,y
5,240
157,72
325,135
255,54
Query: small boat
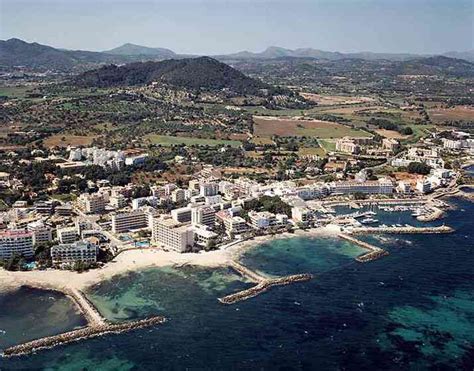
x,y
417,212
369,221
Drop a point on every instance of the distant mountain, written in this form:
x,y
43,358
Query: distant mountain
x,y
277,52
191,73
467,55
15,52
438,65
138,50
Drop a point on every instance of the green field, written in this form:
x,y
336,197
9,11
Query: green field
x,y
14,91
329,146
310,151
166,140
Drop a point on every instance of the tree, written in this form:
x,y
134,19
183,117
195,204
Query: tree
x,y
407,131
360,196
211,245
418,168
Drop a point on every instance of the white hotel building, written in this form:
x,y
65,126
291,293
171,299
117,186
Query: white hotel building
x,y
171,234
124,222
16,242
380,186
203,215
80,251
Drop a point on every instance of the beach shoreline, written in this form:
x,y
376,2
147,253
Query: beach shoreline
x,y
134,260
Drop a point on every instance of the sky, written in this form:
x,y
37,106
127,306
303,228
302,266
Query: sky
x,y
226,26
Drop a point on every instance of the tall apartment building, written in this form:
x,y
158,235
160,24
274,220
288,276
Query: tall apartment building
x,y
68,254
423,186
118,201
262,219
92,203
67,234
124,222
208,189
203,215
235,225
181,215
42,234
178,195
172,235
301,214
16,242
44,207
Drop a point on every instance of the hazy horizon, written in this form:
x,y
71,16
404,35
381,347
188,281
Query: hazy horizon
x,y
221,27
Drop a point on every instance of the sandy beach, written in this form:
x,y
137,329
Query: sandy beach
x,y
138,259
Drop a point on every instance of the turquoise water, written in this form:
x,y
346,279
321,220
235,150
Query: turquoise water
x,y
413,309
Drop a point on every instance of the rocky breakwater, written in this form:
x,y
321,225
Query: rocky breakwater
x,y
80,334
264,286
373,253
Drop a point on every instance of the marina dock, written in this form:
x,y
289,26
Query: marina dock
x,y
402,230
373,253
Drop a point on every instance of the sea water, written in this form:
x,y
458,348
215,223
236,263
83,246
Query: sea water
x,y
413,309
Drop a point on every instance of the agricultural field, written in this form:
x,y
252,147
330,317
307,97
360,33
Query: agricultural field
x,y
331,100
327,145
260,141
392,134
458,113
288,127
166,140
311,151
15,91
61,140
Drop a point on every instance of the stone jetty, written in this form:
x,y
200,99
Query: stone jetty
x,y
264,286
246,272
373,253
80,334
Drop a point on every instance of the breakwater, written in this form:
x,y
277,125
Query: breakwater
x,y
403,230
90,312
264,286
80,334
246,272
373,253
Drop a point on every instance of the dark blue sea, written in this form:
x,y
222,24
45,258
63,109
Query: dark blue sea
x,y
413,309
